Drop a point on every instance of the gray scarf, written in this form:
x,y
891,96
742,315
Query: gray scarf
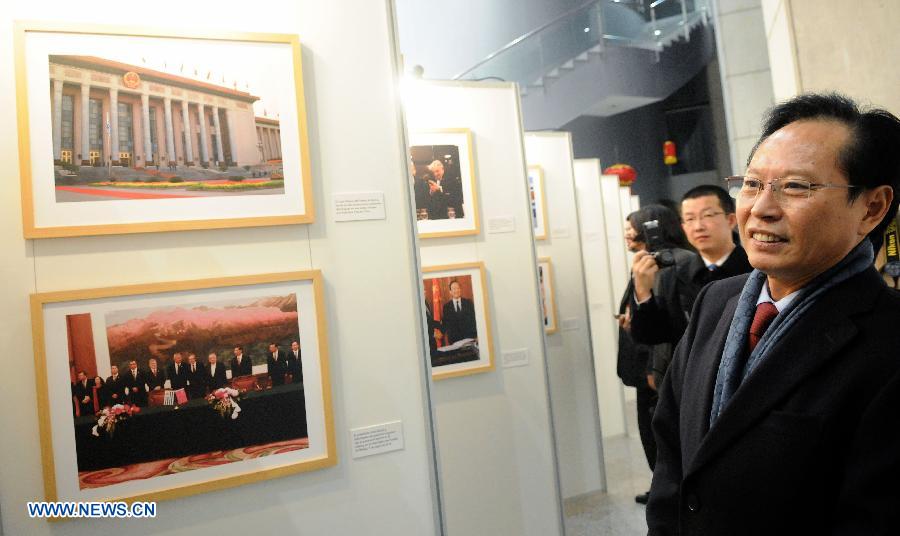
x,y
732,370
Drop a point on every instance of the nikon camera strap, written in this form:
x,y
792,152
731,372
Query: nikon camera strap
x,y
892,249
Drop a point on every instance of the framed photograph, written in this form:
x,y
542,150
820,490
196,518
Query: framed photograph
x,y
538,199
443,168
548,295
459,323
157,391
130,130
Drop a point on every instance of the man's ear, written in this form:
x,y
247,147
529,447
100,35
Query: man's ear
x,y
732,220
877,202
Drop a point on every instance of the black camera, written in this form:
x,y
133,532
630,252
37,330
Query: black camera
x,y
654,241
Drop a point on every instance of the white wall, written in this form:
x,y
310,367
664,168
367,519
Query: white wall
x,y
746,77
602,303
833,45
569,353
376,360
495,446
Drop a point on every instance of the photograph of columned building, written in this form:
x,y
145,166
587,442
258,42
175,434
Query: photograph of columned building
x,y
118,126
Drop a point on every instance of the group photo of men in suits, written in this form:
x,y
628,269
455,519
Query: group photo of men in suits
x,y
437,182
184,371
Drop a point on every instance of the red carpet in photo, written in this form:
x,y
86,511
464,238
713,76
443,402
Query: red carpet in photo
x,y
138,471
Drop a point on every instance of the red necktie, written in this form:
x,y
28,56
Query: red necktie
x,y
765,313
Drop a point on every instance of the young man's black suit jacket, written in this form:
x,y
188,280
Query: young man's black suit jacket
x,y
459,325
809,444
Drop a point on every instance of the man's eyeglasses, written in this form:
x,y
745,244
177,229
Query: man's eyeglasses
x,y
788,189
705,217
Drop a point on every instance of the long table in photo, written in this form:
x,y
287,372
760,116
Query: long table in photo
x,y
161,432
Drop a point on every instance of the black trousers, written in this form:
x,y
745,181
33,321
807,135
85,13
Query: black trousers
x,y
646,403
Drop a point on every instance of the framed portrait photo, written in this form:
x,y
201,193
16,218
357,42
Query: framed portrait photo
x,y
459,324
548,294
130,130
444,183
156,391
537,198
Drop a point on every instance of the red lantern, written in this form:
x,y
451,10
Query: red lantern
x,y
669,156
626,173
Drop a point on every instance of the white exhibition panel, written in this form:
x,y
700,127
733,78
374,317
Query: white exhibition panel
x,y
635,202
625,208
615,234
602,304
376,373
493,430
619,261
570,363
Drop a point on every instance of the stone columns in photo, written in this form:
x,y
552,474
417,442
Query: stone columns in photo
x,y
170,134
188,146
114,126
148,145
57,120
85,124
220,155
204,141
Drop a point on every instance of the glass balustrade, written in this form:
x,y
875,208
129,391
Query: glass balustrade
x,y
590,27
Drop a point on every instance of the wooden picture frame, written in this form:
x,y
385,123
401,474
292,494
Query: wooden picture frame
x,y
445,206
538,201
548,295
173,446
168,144
463,342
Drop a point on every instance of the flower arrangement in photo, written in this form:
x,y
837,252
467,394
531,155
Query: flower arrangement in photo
x,y
109,418
224,400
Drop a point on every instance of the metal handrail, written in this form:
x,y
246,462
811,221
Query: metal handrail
x,y
524,37
600,27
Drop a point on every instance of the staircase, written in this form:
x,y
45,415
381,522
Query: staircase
x,y
602,58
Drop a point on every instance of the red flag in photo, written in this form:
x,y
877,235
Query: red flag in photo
x,y
436,303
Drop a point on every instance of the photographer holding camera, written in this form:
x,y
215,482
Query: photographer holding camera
x,y
665,297
655,275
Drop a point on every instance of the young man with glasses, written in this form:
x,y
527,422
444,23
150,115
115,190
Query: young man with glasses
x,y
708,219
778,415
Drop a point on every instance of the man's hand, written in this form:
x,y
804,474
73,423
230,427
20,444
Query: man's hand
x,y
86,399
651,381
643,269
625,319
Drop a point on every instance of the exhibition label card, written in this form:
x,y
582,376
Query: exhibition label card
x,y
515,358
377,439
357,206
501,224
